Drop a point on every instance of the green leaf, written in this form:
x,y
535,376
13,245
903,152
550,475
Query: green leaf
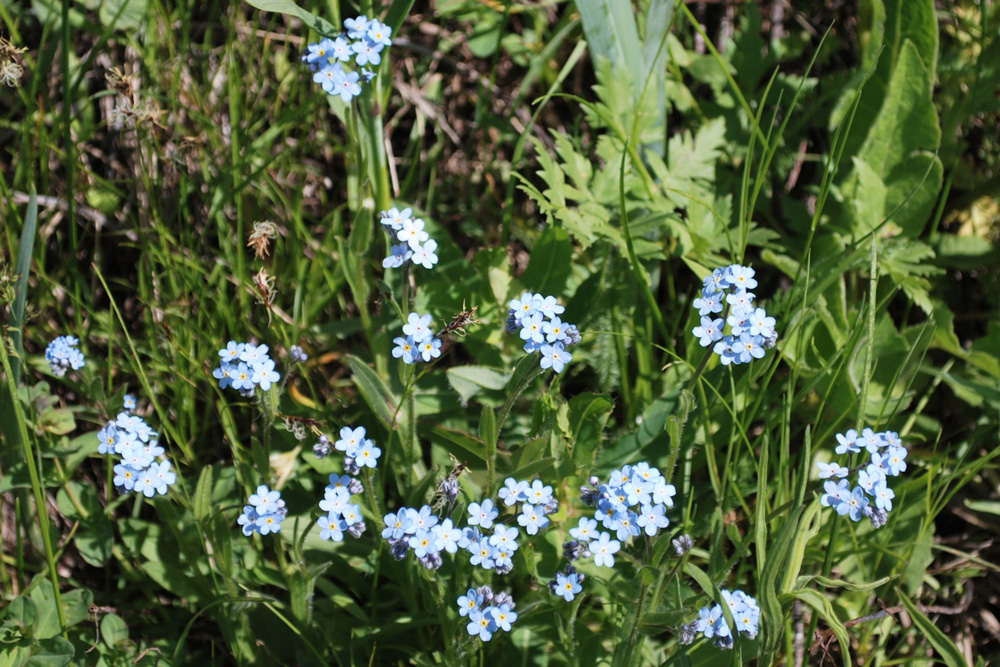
x,y
987,506
76,605
124,15
824,608
374,390
23,267
53,652
113,630
470,381
488,430
551,263
466,442
901,147
827,582
23,609
493,266
588,413
59,421
203,495
312,21
523,370
611,33
945,647
769,588
534,468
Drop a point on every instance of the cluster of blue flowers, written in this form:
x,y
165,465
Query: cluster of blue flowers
x,y
887,459
712,623
488,612
363,44
567,583
417,341
63,355
264,513
751,331
342,516
634,500
537,318
536,499
490,544
422,532
245,367
413,242
144,468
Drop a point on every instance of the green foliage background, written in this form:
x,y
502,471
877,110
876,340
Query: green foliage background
x,y
609,153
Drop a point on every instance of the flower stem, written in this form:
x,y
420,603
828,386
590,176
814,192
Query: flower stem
x,y
634,632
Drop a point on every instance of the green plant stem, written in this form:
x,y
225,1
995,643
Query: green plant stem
x,y
634,632
518,390
36,484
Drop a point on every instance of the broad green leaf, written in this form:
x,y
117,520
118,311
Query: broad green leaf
x,y
551,263
945,647
901,145
47,624
52,652
534,468
611,33
493,266
95,541
124,15
466,442
58,421
374,390
966,252
113,629
23,609
869,197
312,21
524,369
469,381
588,413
